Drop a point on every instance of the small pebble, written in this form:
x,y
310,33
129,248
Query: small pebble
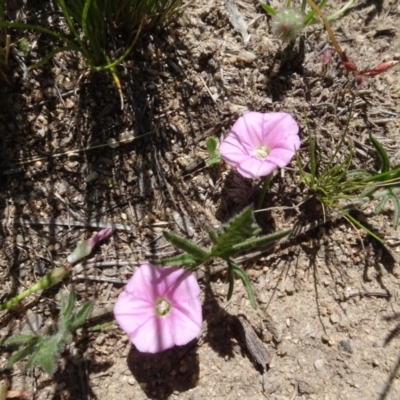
x,y
289,288
334,318
132,381
319,364
91,177
325,338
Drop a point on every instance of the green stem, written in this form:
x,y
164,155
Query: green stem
x,y
265,187
50,279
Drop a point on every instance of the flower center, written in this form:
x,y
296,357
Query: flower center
x,y
162,307
262,151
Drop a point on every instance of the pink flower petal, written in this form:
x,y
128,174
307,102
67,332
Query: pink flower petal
x,y
254,167
135,309
280,157
276,133
153,336
249,128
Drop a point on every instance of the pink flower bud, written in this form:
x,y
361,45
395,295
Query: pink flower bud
x,y
327,57
350,66
382,67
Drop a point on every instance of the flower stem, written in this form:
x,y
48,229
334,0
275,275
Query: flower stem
x,y
265,187
49,280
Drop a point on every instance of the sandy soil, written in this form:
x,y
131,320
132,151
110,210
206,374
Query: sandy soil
x,y
328,300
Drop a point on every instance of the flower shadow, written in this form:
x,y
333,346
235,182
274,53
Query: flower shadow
x,y
160,374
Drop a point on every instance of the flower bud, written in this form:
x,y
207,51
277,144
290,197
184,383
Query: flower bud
x,y
287,24
327,57
382,67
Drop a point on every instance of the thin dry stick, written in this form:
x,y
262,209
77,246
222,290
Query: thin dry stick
x,y
81,224
73,152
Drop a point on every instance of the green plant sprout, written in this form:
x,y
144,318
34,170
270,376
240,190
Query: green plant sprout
x,y
43,350
92,24
288,23
212,148
336,182
238,235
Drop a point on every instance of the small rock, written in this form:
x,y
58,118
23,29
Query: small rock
x,y
91,177
132,381
289,288
346,346
246,56
334,318
305,388
100,339
319,364
325,338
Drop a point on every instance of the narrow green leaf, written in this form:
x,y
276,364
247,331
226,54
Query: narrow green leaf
x,y
96,328
81,315
19,339
360,225
197,252
212,234
381,152
380,206
341,11
308,18
67,307
19,355
182,259
270,10
246,282
241,228
261,241
396,206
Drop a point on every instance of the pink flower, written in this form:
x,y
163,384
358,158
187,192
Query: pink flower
x,y
160,308
259,143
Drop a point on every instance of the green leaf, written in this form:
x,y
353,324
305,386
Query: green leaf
x,y
66,308
211,144
46,354
381,152
213,161
213,234
360,225
270,10
241,228
198,253
246,282
19,355
19,339
182,259
308,18
260,241
81,315
341,11
396,206
380,206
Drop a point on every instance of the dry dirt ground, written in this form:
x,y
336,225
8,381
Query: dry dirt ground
x,y
328,299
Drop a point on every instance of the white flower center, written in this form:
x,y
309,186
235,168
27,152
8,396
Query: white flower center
x,y
262,151
162,307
